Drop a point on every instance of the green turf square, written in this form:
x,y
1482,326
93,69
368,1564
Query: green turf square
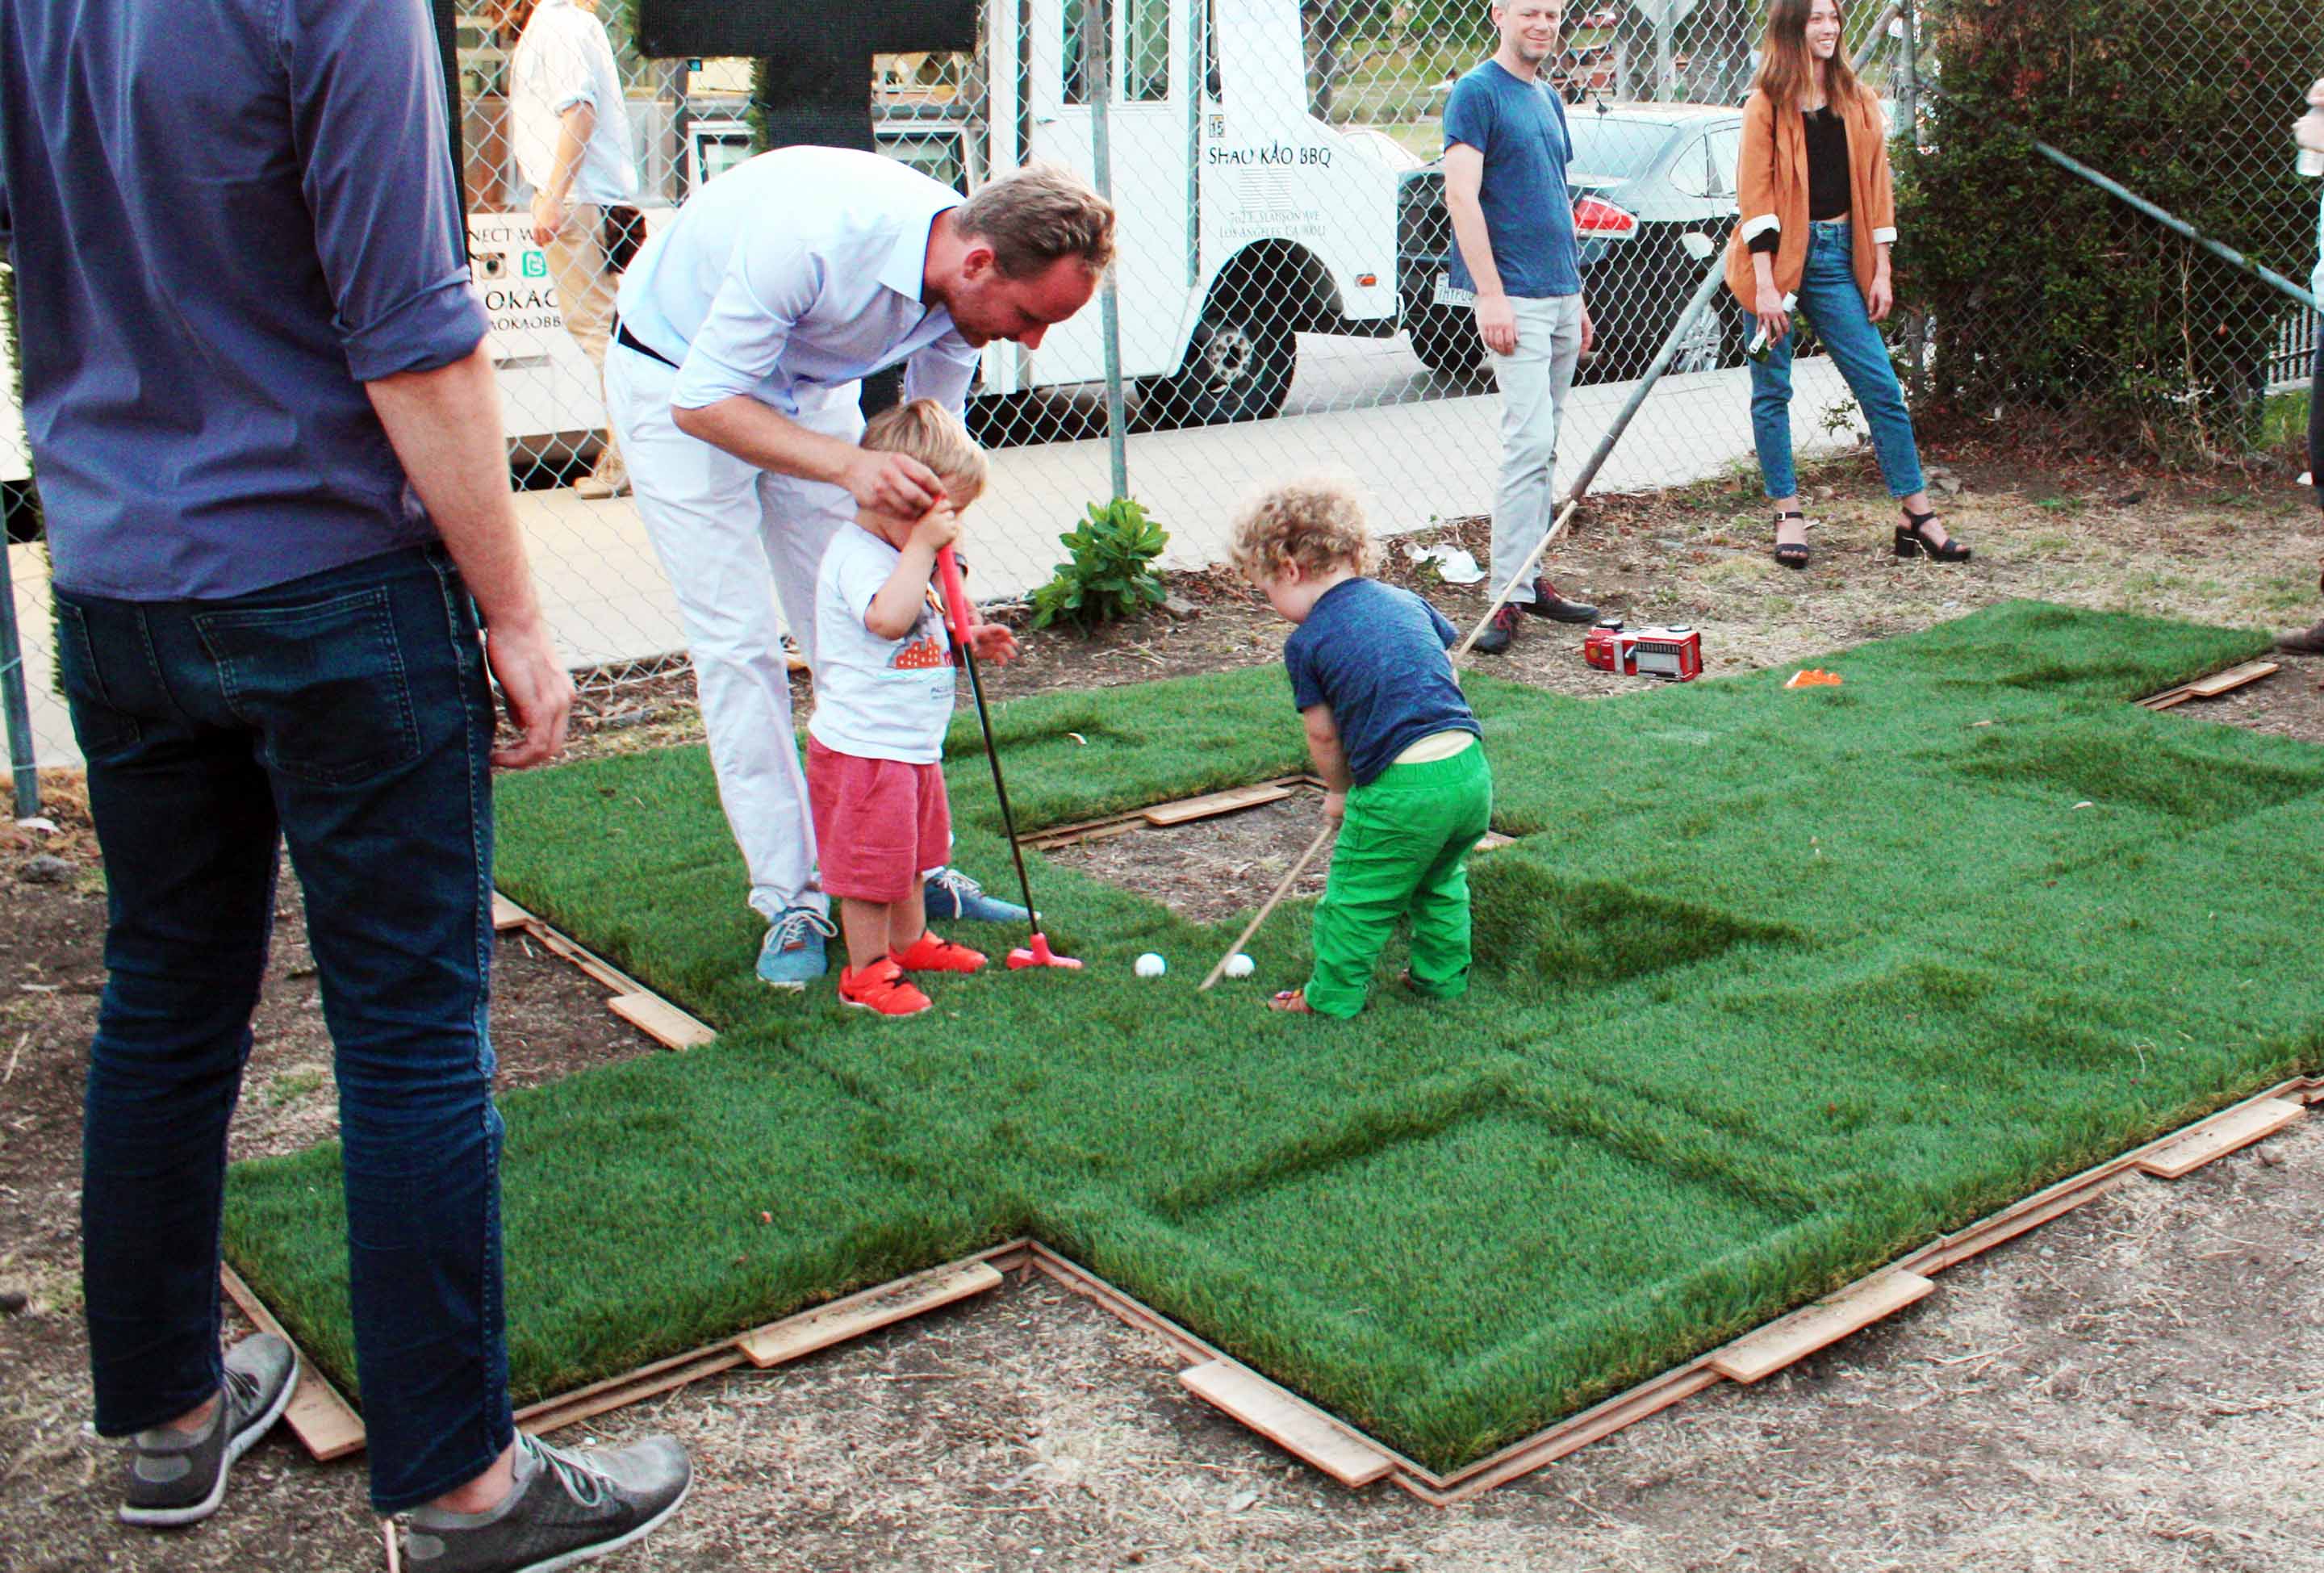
x,y
1776,986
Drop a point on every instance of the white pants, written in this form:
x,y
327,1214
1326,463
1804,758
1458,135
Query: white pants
x,y
1534,383
722,529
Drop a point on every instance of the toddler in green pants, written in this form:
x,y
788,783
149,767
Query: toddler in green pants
x,y
1395,743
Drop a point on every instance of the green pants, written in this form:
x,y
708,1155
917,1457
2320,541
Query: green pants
x,y
1402,852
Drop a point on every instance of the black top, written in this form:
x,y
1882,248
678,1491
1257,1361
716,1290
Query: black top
x,y
1828,182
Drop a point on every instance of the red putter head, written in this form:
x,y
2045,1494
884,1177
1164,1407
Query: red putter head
x,y
1038,954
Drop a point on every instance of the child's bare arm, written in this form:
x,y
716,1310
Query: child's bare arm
x,y
897,607
1331,759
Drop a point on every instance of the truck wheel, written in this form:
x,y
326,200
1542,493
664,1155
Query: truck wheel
x,y
1239,366
1445,339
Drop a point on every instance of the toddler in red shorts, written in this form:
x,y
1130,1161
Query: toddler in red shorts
x,y
883,698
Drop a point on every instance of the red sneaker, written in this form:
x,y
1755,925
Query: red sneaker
x,y
881,988
930,953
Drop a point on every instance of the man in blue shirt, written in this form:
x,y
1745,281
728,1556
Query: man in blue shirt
x,y
1506,150
277,498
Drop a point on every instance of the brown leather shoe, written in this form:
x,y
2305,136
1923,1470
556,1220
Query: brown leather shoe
x,y
2308,641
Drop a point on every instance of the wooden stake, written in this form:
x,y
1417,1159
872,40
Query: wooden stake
x,y
1564,513
1252,927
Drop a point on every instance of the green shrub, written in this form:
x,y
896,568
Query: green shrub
x,y
1110,575
2047,295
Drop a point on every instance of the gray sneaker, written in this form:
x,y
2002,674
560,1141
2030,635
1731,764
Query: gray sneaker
x,y
567,1508
179,1477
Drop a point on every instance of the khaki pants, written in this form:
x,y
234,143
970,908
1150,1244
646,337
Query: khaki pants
x,y
585,291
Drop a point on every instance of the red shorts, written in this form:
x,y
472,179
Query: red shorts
x,y
879,823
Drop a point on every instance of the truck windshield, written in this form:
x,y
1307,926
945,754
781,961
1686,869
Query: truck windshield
x,y
1613,148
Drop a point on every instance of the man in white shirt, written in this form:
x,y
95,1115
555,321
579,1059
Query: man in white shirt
x,y
571,128
745,329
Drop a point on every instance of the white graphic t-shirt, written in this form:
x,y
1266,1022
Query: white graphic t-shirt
x,y
875,698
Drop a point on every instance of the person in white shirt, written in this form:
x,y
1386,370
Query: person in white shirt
x,y
884,693
744,330
571,129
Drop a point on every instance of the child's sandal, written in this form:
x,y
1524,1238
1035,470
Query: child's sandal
x,y
1292,1000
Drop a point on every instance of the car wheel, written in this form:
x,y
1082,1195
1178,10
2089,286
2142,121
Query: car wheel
x,y
1710,343
1239,366
1445,339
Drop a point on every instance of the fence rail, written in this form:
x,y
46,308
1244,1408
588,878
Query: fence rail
x,y
1283,304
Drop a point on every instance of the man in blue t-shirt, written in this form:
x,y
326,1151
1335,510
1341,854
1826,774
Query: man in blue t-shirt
x,y
276,492
1506,150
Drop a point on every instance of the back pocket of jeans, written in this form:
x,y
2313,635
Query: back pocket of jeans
x,y
323,684
97,726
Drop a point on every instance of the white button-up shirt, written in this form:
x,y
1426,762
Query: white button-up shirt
x,y
791,277
565,59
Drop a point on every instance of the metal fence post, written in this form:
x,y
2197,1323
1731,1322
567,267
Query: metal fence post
x,y
1908,109
1097,72
23,766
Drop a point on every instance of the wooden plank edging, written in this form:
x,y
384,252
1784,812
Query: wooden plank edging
x,y
325,1423
1761,1352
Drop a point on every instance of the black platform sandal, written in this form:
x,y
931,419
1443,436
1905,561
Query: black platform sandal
x,y
1911,542
1792,554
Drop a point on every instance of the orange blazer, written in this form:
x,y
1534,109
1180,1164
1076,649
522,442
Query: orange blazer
x,y
1771,187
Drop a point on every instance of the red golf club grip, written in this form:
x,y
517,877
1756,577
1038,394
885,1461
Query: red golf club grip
x,y
955,597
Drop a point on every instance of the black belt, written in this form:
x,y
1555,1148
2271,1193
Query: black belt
x,y
621,335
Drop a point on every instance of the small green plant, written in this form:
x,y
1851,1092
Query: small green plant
x,y
1110,575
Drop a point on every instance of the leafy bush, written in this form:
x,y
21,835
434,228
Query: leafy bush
x,y
1110,575
2046,294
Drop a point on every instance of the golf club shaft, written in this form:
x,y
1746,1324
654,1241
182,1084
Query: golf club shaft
x,y
1281,889
1508,589
956,608
1000,787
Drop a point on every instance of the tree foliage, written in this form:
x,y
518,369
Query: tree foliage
x,y
2047,294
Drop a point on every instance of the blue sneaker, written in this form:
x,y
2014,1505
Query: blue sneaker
x,y
792,954
951,895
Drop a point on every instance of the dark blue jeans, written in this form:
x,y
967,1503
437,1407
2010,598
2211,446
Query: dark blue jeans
x,y
347,714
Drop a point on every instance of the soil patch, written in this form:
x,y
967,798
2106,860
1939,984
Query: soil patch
x,y
1210,869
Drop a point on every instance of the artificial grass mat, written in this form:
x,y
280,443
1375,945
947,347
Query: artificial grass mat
x,y
1774,986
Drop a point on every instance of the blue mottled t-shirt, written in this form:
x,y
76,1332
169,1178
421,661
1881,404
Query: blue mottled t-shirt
x,y
1520,128
1376,655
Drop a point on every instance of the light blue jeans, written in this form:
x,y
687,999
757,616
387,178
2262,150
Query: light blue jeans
x,y
1834,305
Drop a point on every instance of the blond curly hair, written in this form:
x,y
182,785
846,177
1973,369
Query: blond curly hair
x,y
1317,523
926,431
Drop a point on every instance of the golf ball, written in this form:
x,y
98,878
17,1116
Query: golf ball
x,y
1150,966
1240,965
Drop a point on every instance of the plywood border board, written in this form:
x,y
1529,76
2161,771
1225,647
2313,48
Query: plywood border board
x,y
633,1002
2211,687
1343,1451
324,1423
1177,812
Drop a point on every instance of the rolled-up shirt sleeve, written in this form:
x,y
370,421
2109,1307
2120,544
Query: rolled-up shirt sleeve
x,y
557,65
765,292
369,121
943,372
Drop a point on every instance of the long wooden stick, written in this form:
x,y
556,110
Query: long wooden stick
x,y
1531,558
1281,891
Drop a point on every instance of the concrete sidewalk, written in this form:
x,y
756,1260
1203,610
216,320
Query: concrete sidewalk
x,y
1419,463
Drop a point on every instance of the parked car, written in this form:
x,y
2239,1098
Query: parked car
x,y
1645,178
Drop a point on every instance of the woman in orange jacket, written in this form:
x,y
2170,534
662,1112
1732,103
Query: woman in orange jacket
x,y
1818,218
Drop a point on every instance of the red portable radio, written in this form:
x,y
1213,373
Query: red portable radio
x,y
1673,653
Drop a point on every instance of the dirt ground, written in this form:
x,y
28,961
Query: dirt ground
x,y
2135,1386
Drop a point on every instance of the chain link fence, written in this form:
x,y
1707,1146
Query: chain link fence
x,y
2113,182
1282,304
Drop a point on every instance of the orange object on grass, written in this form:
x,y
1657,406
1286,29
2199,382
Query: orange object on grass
x,y
1814,677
